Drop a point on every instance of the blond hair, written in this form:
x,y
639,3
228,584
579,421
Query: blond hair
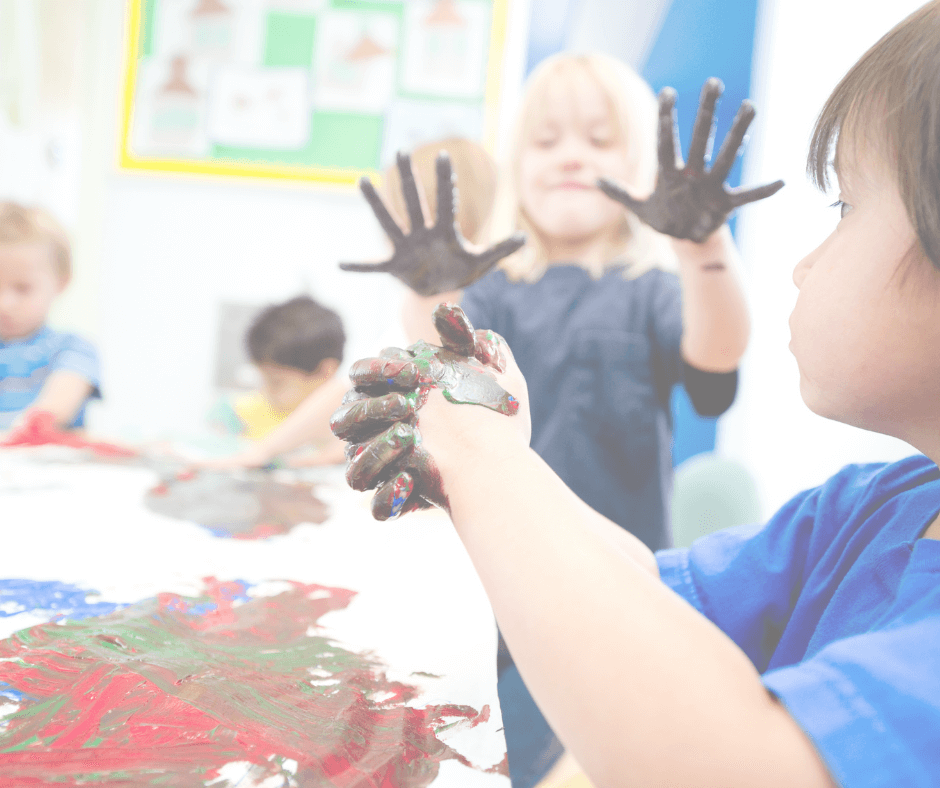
x,y
475,175
634,111
20,224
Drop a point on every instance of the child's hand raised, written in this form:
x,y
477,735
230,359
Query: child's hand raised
x,y
380,420
689,202
436,259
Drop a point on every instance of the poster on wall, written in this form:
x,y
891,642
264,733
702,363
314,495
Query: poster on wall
x,y
317,90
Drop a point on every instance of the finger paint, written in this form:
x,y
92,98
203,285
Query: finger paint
x,y
690,202
256,507
383,459
462,380
39,429
174,690
455,329
362,418
378,371
434,259
391,497
370,460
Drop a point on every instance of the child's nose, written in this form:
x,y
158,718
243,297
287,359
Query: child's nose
x,y
802,269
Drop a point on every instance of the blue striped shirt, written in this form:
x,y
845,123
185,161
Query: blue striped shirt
x,y
25,365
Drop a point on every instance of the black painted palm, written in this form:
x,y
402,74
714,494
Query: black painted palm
x,y
690,202
430,260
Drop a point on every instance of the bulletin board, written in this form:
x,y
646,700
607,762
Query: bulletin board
x,y
314,90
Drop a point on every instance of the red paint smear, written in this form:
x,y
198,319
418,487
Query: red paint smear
x,y
39,429
108,702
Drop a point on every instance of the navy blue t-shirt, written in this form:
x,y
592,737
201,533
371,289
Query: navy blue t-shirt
x,y
836,601
600,357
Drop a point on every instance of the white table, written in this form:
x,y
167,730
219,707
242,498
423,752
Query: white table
x,y
419,616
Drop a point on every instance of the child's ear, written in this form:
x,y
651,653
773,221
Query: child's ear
x,y
327,368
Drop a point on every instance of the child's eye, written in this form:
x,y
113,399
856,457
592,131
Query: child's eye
x,y
843,207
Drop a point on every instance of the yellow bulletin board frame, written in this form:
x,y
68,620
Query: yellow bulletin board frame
x,y
330,176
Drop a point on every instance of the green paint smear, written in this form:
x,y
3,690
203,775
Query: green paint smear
x,y
166,691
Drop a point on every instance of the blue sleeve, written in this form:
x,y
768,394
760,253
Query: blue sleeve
x,y
78,355
747,579
871,703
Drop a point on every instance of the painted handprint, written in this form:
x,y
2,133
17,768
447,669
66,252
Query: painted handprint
x,y
430,260
379,417
690,202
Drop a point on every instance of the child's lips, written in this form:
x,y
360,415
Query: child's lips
x,y
574,186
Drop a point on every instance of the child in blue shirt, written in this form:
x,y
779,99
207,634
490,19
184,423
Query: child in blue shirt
x,y
803,652
41,369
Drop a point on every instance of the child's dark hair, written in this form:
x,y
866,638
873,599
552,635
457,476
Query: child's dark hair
x,y
299,334
892,95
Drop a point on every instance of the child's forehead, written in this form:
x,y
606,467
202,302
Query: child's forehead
x,y
571,95
27,257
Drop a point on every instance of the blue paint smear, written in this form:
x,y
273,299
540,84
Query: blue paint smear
x,y
7,691
56,601
50,598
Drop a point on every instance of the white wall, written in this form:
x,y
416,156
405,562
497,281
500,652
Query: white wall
x,y
804,47
157,254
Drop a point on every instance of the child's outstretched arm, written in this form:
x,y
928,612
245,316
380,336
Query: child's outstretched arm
x,y
642,689
691,205
308,423
62,395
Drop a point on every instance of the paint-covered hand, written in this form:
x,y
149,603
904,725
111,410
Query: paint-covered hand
x,y
379,417
436,259
690,202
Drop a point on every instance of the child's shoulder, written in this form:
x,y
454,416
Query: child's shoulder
x,y
869,497
880,479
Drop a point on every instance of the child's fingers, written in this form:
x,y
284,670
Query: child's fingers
x,y
446,192
742,196
619,194
392,372
409,190
392,230
370,460
704,124
366,267
395,352
732,142
486,259
489,349
455,329
358,420
390,498
666,145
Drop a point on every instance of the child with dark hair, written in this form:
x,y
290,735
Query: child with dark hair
x,y
297,347
800,652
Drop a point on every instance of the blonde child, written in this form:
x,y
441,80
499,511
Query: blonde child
x,y
803,652
42,371
605,314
